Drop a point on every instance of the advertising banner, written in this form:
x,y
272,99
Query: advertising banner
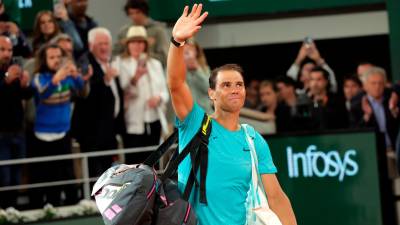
x,y
332,178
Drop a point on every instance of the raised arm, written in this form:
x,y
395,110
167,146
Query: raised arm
x,y
185,27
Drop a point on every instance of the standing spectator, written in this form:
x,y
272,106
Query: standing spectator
x,y
44,29
252,100
198,73
377,109
302,74
9,28
99,118
286,87
14,87
82,23
61,13
352,87
328,111
363,67
64,41
138,12
270,105
56,79
145,93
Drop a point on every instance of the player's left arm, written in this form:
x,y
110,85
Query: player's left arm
x,y
277,199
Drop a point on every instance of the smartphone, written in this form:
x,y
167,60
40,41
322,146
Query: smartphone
x,y
17,60
83,65
142,60
308,41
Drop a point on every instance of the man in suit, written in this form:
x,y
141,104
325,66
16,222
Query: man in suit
x,y
378,110
99,117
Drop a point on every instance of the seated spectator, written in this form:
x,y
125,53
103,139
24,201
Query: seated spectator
x,y
302,73
143,81
252,95
328,110
57,77
10,29
138,12
377,109
270,105
44,29
14,87
197,74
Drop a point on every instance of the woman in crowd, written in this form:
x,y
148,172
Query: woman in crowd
x,y
44,29
145,93
198,73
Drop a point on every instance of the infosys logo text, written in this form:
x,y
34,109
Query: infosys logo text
x,y
321,164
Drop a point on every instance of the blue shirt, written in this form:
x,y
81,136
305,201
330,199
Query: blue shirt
x,y
228,173
53,102
379,113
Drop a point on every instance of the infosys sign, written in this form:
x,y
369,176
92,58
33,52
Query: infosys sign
x,y
337,172
314,162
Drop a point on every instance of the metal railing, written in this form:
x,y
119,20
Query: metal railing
x,y
84,167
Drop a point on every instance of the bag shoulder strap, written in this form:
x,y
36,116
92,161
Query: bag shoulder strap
x,y
198,150
200,160
250,130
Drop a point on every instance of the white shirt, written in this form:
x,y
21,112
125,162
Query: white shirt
x,y
114,90
137,112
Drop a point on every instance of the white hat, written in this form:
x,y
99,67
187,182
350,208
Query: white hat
x,y
136,33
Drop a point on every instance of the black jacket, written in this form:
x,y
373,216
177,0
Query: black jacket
x,y
392,123
94,124
12,112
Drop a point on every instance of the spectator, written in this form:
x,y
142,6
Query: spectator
x,y
138,12
363,67
252,95
56,77
269,104
286,87
64,41
82,23
352,87
377,109
44,29
14,87
328,111
99,118
145,93
197,74
10,29
61,13
302,74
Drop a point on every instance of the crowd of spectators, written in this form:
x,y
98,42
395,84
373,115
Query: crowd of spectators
x,y
72,82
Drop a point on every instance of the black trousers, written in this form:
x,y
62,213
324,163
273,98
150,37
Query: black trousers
x,y
52,171
149,138
98,165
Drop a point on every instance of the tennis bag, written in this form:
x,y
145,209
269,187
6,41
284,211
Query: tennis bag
x,y
137,195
